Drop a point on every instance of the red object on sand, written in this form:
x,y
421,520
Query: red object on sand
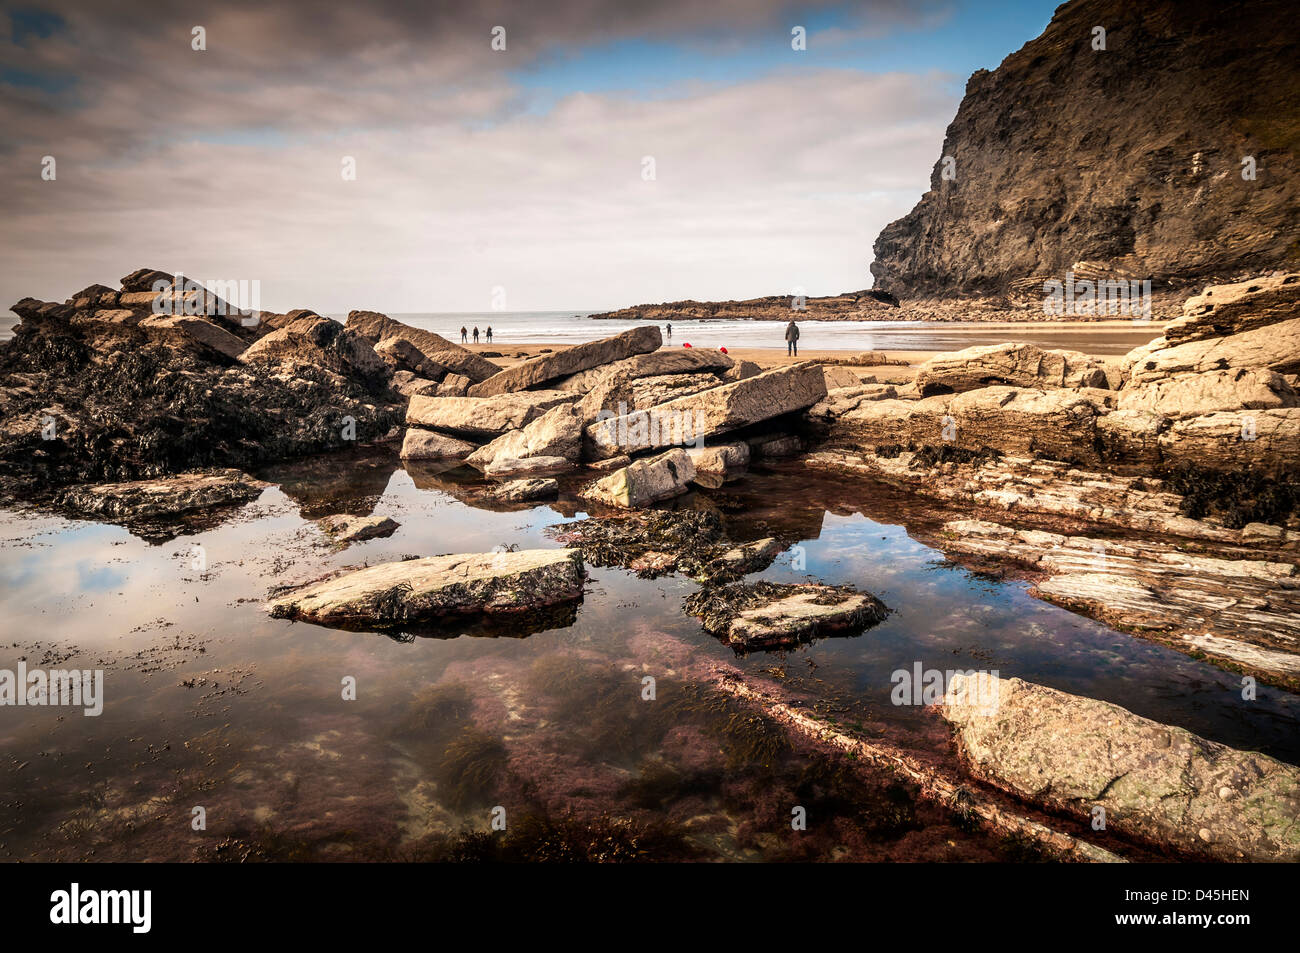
x,y
687,344
723,350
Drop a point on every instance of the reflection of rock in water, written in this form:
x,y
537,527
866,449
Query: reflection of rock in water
x,y
518,625
347,482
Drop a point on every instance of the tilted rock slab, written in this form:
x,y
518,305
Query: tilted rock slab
x,y
483,416
1156,782
551,367
557,433
753,400
1020,365
437,586
377,327
1221,310
643,482
685,360
1190,395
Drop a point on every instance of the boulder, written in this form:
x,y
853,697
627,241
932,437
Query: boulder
x,y
511,466
837,377
546,368
1156,782
483,416
194,332
401,355
557,433
742,370
344,529
719,459
376,327
421,444
144,279
643,482
718,410
1276,348
318,342
1020,365
437,586
1221,310
1189,395
767,615
454,385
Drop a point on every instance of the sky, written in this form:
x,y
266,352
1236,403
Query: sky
x,y
613,153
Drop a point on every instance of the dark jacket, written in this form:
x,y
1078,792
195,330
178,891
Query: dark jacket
x,y
792,332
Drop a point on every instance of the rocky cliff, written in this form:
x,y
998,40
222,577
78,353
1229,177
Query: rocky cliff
x,y
1133,158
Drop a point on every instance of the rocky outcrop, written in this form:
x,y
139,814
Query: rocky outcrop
x,y
91,396
1275,348
850,306
643,482
1020,365
435,587
546,368
376,328
767,615
483,417
1154,128
1156,783
1191,395
318,343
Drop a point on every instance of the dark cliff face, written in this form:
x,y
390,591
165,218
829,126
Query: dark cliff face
x,y
1129,158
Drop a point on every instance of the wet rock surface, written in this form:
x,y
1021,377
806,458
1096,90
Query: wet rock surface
x,y
343,529
1155,782
766,615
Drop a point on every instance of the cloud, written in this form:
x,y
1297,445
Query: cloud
x,y
226,163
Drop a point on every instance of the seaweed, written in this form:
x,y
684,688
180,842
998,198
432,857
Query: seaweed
x,y
1236,498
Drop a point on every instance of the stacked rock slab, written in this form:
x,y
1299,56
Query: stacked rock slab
x,y
377,327
546,368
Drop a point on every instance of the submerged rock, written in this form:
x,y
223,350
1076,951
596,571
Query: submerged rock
x,y
643,482
344,529
1156,782
437,586
766,615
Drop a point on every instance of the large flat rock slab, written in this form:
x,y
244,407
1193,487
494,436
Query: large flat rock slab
x,y
1221,310
1275,347
161,498
434,587
581,357
750,401
1156,782
481,417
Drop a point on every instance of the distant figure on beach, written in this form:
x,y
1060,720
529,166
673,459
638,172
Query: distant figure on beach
x,y
489,334
670,332
464,334
792,339
476,334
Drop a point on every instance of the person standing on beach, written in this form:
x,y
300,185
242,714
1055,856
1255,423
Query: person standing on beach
x,y
792,339
489,334
476,334
670,332
464,334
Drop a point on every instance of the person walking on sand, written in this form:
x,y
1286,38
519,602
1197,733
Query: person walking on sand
x,y
464,334
670,332
792,339
489,334
476,334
